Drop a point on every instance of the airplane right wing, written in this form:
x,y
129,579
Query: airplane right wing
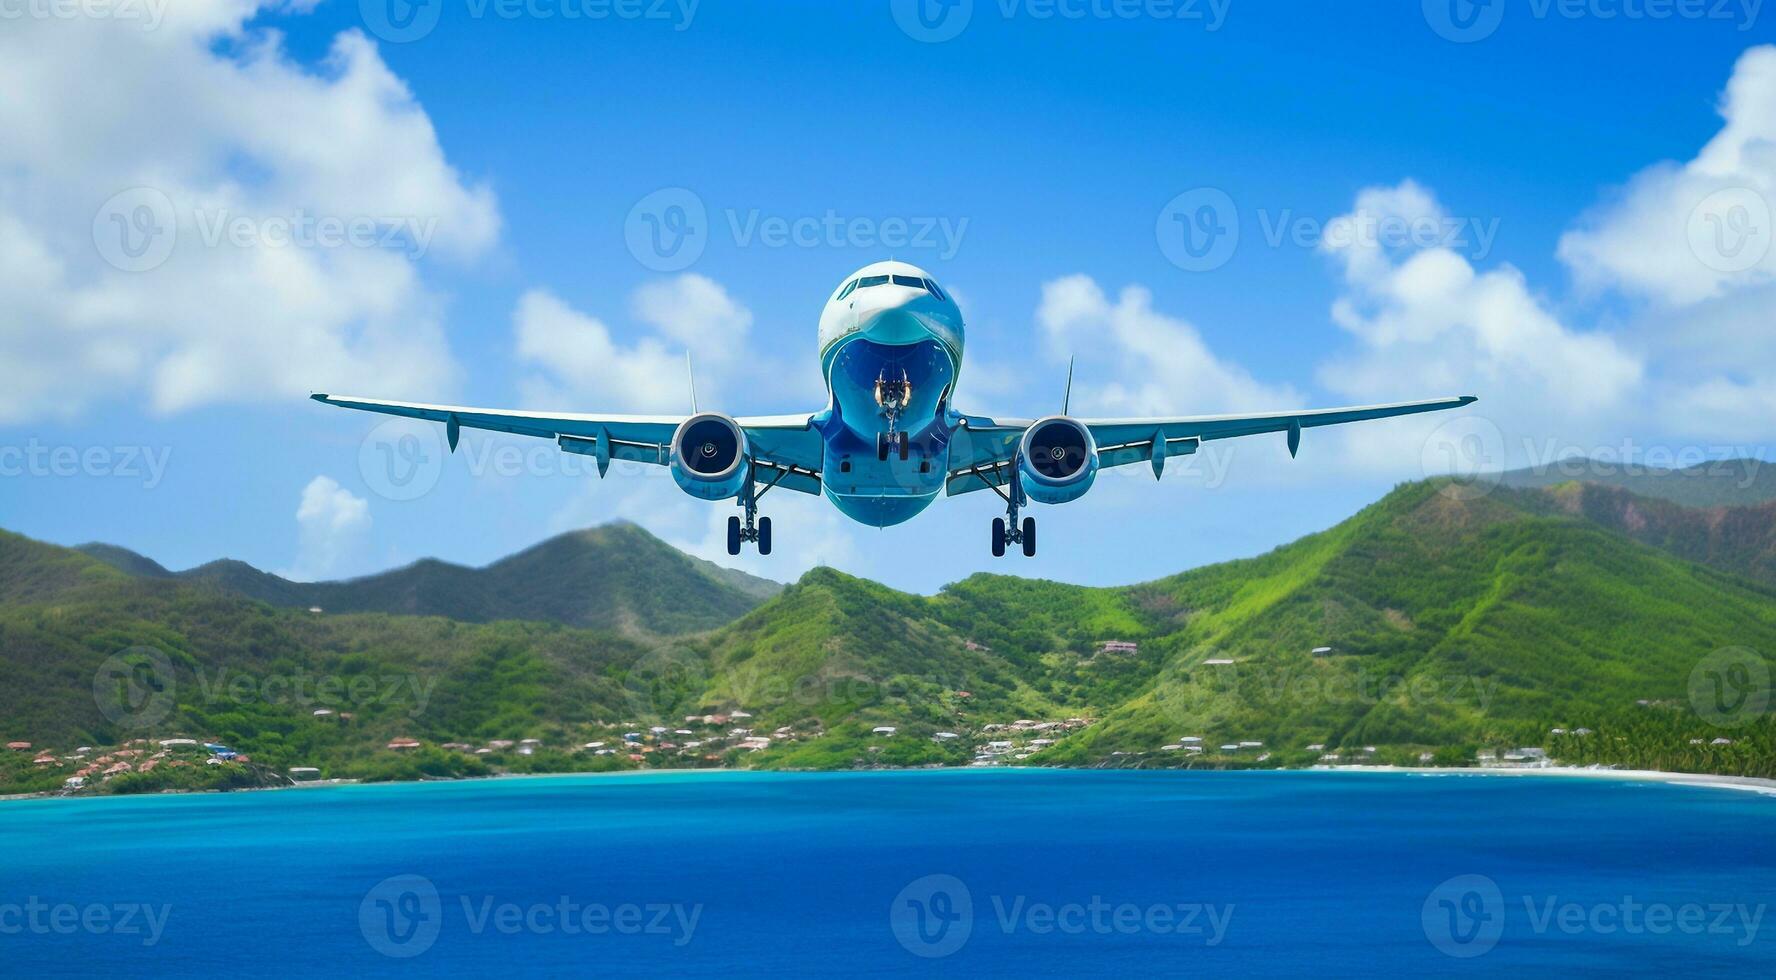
x,y
983,451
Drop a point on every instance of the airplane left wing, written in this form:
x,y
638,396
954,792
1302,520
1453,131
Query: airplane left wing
x,y
983,450
786,448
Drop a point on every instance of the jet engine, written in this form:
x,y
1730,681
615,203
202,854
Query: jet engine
x,y
1058,460
709,458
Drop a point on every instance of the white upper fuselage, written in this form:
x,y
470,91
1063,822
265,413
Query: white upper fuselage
x,y
891,312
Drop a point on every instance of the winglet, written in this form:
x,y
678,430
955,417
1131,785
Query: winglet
x,y
691,376
319,396
1067,398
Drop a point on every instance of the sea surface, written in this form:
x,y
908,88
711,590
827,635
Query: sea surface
x,y
1006,873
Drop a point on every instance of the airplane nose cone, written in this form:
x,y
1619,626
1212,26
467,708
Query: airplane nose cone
x,y
892,319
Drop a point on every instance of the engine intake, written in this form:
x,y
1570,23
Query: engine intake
x,y
709,456
1058,460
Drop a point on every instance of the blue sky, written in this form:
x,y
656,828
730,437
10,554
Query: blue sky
x,y
1562,158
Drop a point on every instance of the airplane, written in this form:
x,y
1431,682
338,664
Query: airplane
x,y
890,438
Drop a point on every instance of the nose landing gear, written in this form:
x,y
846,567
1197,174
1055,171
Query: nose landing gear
x,y
892,397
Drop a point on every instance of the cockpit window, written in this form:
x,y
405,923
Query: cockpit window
x,y
868,281
932,286
846,291
913,281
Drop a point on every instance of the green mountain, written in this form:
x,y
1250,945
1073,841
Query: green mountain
x,y
1734,482
1436,623
616,577
1735,539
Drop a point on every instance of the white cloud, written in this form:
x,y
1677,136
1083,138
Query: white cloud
x,y
1430,324
332,527
581,365
1155,364
695,311
1695,240
227,133
582,368
1689,232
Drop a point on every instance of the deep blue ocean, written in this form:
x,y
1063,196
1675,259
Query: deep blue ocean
x,y
873,874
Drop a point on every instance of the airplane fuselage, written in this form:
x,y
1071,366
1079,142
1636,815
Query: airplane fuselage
x,y
890,351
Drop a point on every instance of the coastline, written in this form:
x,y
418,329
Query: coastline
x,y
1753,784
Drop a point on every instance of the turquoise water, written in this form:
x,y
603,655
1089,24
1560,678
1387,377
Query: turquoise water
x,y
981,873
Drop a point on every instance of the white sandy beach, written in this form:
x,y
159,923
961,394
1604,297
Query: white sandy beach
x,y
1751,783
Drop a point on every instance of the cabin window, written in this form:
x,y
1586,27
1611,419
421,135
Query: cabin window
x,y
913,281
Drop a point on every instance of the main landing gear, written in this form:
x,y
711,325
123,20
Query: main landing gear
x,y
756,529
1007,530
1025,535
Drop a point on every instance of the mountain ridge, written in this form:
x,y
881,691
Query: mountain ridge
x,y
566,579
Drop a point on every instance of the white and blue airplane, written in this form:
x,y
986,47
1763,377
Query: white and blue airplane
x,y
890,438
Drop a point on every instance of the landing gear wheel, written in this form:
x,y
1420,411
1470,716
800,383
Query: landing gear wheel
x,y
998,537
1029,537
764,535
903,446
881,448
734,535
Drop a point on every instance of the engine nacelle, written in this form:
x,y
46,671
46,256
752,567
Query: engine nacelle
x,y
1058,460
709,456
